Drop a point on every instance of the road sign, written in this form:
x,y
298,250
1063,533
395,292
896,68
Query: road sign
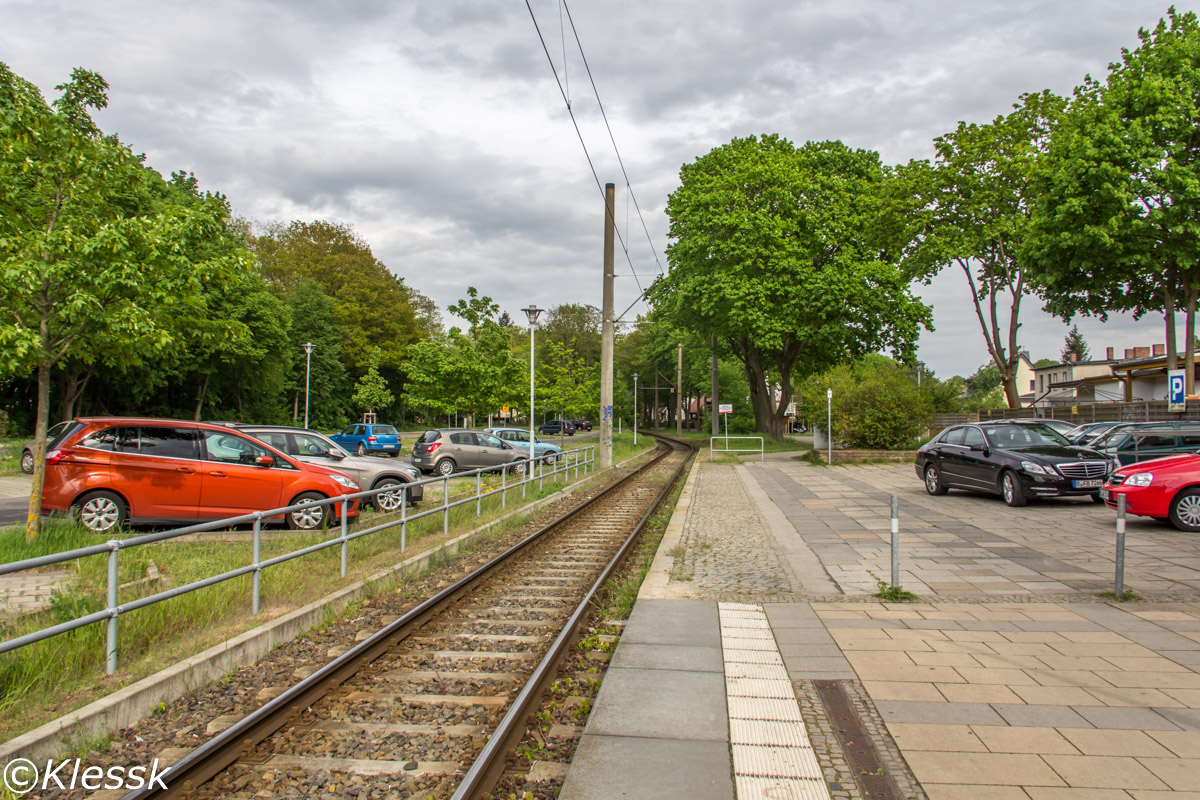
x,y
1176,390
725,408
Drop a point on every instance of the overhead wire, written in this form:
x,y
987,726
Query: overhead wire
x,y
611,137
582,143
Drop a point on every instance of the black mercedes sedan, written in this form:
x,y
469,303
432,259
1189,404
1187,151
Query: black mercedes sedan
x,y
1015,461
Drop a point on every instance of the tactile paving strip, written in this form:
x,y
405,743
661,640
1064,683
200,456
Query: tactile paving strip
x,y
773,758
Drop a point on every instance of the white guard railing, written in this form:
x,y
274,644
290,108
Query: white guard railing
x,y
727,449
583,458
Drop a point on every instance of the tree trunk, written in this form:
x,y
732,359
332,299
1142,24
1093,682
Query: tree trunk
x,y
656,398
34,518
72,392
1189,330
200,393
1169,318
1012,393
295,406
767,419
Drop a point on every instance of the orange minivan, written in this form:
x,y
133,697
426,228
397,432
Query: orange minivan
x,y
112,471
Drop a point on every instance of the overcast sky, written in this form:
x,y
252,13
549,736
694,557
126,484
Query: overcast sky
x,y
437,129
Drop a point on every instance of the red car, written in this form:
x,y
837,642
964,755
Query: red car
x,y
116,470
1166,488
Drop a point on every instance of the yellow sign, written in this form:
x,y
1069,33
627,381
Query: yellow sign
x,y
1074,409
504,410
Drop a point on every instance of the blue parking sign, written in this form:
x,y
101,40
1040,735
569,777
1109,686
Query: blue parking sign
x,y
1176,390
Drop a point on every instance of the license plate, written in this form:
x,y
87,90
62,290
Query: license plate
x,y
1093,484
1105,494
389,447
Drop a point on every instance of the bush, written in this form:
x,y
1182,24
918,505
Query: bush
x,y
876,404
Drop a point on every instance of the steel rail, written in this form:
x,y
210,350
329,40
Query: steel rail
x,y
489,765
225,748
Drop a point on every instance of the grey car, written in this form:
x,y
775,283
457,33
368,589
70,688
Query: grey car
x,y
315,448
51,435
446,451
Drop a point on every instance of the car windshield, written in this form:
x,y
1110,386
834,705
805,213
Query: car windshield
x,y
1014,436
313,444
58,432
429,437
386,430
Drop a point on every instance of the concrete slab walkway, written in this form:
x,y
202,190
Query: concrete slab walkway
x,y
1010,679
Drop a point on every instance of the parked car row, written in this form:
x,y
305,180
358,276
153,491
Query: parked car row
x,y
445,451
1154,466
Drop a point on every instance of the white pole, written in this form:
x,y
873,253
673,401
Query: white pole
x,y
635,377
829,427
532,440
308,348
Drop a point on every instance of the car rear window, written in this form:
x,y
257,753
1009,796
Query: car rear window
x,y
429,437
386,430
953,436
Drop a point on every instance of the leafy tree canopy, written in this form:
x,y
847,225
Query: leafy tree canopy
x,y
770,254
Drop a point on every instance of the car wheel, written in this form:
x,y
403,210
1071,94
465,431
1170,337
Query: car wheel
x,y
517,468
445,467
933,480
362,449
27,462
1010,488
1185,510
307,519
388,500
101,512
550,459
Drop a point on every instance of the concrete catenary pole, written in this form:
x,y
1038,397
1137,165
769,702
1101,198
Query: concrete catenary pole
x,y
712,401
606,331
679,393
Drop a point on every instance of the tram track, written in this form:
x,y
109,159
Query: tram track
x,y
429,705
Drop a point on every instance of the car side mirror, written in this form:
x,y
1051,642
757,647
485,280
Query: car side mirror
x,y
336,455
979,448
264,461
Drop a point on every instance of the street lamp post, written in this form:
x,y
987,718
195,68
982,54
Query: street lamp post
x,y
533,312
635,377
308,348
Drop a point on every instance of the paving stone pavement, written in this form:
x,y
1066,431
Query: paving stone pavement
x,y
1011,678
26,592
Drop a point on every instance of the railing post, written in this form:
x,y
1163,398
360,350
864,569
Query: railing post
x,y
345,541
403,520
895,541
256,579
1119,580
478,493
113,548
503,488
445,504
525,476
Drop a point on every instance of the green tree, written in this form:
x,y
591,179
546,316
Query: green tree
x,y
772,254
565,383
574,326
1117,223
371,304
85,257
970,208
1074,345
312,322
371,391
875,404
472,370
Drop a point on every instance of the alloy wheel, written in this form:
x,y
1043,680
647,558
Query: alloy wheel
x,y
99,514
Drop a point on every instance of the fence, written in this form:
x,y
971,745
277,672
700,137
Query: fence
x,y
1137,411
583,458
728,449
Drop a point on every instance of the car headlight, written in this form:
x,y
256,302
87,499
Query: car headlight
x,y
344,481
1139,479
1036,469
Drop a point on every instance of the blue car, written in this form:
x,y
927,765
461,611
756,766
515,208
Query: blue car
x,y
362,438
519,438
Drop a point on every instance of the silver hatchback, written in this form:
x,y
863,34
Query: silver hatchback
x,y
370,472
447,451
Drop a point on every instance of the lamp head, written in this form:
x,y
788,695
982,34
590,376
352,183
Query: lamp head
x,y
533,312
308,347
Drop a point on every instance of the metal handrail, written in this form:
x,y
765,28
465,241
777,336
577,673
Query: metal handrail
x,y
760,449
584,458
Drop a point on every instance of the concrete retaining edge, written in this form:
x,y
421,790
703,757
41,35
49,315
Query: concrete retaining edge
x,y
130,704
